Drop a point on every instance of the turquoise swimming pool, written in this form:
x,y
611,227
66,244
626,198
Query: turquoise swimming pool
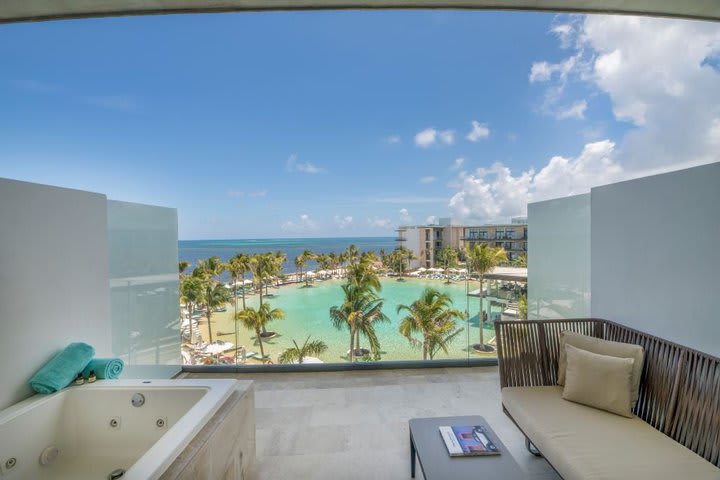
x,y
307,310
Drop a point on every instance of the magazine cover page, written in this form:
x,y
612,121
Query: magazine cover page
x,y
464,440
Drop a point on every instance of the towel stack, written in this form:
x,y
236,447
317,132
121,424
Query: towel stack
x,y
76,358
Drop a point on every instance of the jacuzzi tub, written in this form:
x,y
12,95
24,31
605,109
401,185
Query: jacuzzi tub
x,y
92,430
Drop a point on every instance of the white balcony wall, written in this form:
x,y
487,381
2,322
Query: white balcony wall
x,y
144,308
53,278
559,258
655,261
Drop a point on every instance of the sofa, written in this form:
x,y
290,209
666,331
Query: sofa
x,y
671,432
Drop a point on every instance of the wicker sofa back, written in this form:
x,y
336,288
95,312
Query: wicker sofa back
x,y
679,390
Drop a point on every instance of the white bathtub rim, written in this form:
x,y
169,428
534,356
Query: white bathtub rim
x,y
148,467
153,463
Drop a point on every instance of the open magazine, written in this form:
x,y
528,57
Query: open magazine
x,y
464,441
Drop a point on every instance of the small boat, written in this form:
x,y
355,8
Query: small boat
x,y
220,309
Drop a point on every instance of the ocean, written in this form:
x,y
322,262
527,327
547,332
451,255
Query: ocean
x,y
193,250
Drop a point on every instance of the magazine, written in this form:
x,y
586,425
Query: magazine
x,y
464,441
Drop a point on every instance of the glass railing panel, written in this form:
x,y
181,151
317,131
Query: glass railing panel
x,y
306,309
144,306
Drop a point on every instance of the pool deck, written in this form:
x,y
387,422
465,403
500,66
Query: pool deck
x,y
354,425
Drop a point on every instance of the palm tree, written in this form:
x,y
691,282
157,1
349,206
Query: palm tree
x,y
481,259
447,257
364,276
352,254
191,294
359,313
182,266
297,354
522,307
334,260
237,266
257,320
279,260
212,267
307,255
214,295
258,268
431,316
299,264
520,261
324,261
400,256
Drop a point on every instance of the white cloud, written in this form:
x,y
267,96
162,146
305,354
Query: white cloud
x,y
377,222
657,76
430,136
576,110
479,131
447,137
343,222
431,220
393,139
409,199
240,194
293,165
428,179
545,71
562,176
426,138
405,217
303,224
564,31
458,164
496,194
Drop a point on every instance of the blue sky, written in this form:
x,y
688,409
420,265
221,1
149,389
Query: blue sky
x,y
332,123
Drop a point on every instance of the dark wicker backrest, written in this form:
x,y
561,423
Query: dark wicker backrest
x,y
680,387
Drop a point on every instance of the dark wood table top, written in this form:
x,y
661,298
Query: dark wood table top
x,y
437,464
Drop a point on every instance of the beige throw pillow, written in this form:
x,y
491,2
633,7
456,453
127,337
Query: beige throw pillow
x,y
603,347
599,381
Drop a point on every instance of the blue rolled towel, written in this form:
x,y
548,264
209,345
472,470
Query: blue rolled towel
x,y
62,370
104,368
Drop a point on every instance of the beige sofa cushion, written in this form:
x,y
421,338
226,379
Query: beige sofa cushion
x,y
598,381
603,347
585,443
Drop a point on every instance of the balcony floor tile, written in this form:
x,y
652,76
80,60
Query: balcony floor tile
x,y
353,425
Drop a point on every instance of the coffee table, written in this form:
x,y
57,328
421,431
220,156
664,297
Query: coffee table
x,y
436,464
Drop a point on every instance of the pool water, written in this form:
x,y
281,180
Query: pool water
x,y
307,313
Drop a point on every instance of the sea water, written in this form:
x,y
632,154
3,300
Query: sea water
x,y
193,250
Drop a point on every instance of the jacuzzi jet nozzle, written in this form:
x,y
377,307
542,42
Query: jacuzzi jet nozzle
x,y
117,473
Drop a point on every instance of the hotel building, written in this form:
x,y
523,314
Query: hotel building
x,y
426,240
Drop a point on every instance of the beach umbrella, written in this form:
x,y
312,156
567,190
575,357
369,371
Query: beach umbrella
x,y
310,273
421,269
217,347
311,360
247,281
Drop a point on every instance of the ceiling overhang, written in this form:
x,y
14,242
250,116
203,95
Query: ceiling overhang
x,y
12,11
